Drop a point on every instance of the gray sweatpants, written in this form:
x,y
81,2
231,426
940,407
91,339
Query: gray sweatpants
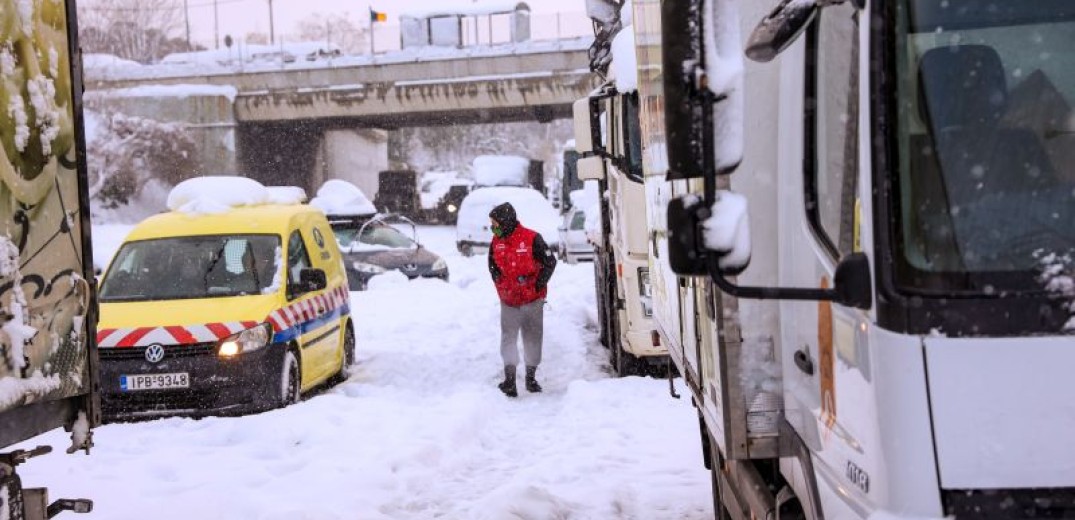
x,y
528,319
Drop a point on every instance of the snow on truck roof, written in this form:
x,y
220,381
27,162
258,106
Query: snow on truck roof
x,y
500,170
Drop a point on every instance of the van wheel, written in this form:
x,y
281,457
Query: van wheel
x,y
349,345
290,380
348,355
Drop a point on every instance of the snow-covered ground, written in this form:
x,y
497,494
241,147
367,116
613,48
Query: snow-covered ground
x,y
419,430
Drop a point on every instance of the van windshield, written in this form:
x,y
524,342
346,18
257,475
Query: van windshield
x,y
194,267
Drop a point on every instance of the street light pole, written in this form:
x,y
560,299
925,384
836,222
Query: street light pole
x,y
186,16
216,24
272,32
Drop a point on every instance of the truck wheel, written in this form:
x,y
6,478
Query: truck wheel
x,y
290,386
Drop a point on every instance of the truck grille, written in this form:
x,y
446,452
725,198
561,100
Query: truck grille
x,y
170,352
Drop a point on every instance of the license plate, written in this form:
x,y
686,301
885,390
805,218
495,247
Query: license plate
x,y
154,381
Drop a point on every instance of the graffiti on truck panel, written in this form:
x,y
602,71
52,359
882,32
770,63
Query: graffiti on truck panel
x,y
43,297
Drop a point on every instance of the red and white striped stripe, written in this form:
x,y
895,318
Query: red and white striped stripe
x,y
170,335
306,310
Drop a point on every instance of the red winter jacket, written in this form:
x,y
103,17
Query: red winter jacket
x,y
521,265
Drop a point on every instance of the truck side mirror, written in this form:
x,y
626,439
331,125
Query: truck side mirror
x,y
702,114
591,168
781,27
698,234
584,138
716,242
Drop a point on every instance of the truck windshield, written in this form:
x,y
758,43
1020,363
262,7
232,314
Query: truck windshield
x,y
193,267
985,185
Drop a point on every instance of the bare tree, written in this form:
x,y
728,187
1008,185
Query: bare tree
x,y
334,28
256,38
138,30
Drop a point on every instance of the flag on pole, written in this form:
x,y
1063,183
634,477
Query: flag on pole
x,y
377,16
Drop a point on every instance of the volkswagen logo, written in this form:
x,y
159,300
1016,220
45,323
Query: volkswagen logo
x,y
154,353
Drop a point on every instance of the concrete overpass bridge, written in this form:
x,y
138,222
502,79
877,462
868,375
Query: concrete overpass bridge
x,y
299,120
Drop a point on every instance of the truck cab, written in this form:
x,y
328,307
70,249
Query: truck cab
x,y
860,218
606,136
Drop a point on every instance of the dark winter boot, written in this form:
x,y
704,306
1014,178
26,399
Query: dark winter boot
x,y
508,385
531,380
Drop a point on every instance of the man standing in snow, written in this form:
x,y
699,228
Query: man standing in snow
x,y
521,265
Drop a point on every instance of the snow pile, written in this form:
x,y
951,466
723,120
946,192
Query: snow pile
x,y
593,223
727,230
219,194
16,330
624,59
216,194
762,387
501,170
533,210
278,272
724,72
336,197
286,195
1058,278
15,333
485,7
389,281
169,91
92,61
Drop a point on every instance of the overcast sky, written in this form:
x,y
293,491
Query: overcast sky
x,y
240,17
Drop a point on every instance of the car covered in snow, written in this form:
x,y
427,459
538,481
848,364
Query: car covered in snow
x,y
533,209
234,301
574,245
372,246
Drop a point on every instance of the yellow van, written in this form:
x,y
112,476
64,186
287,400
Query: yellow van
x,y
223,313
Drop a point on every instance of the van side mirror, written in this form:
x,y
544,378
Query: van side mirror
x,y
591,168
312,279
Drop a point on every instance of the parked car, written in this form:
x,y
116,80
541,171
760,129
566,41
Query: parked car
x,y
371,246
574,245
216,313
534,211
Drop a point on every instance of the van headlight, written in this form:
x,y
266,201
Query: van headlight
x,y
363,267
645,292
440,265
452,208
246,341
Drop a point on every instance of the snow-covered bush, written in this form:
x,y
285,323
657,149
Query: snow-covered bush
x,y
126,154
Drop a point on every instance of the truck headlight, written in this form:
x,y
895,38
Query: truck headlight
x,y
452,208
246,341
440,265
645,292
363,267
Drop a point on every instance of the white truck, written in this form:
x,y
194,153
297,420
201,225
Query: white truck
x,y
621,261
862,232
48,358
